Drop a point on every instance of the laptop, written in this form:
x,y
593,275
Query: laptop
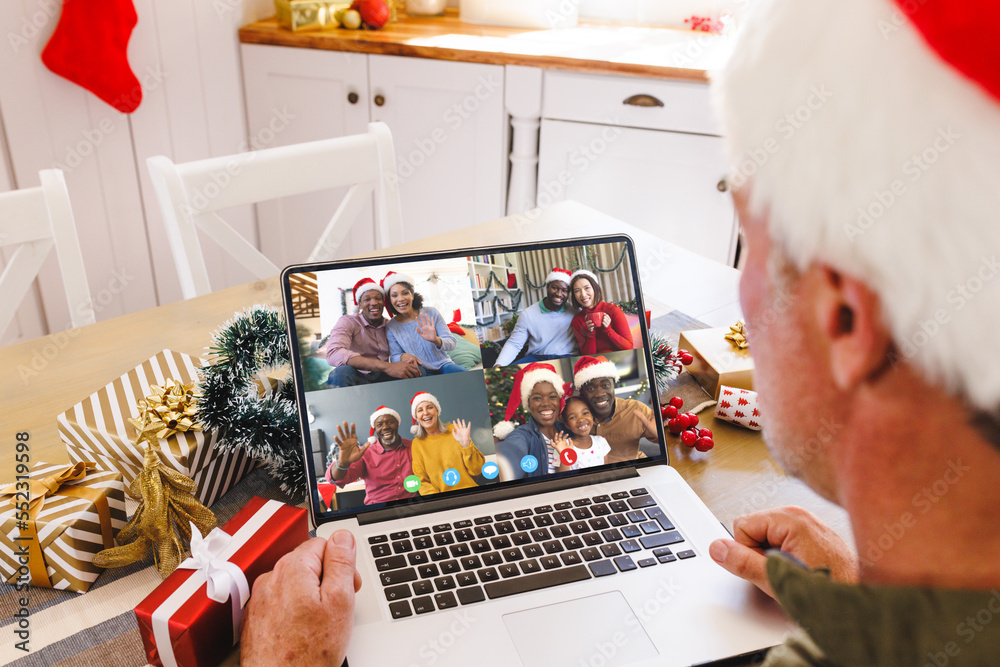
x,y
510,506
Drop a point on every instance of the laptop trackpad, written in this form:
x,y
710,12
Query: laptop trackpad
x,y
596,630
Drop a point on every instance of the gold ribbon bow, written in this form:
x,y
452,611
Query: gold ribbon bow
x,y
169,409
53,485
738,335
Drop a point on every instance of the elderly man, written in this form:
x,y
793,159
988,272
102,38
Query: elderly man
x,y
865,136
382,463
623,422
545,326
358,347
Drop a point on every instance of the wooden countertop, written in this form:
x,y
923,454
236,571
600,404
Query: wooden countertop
x,y
590,47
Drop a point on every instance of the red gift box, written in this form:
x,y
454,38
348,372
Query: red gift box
x,y
201,631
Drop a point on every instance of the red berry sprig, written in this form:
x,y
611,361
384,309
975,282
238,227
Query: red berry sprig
x,y
686,426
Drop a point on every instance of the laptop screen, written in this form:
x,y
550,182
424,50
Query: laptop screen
x,y
455,372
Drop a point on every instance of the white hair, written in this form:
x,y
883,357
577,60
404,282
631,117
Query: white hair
x,y
869,153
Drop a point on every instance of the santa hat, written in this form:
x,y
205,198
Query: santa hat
x,y
382,411
584,272
365,285
524,381
562,275
418,398
589,368
392,278
880,160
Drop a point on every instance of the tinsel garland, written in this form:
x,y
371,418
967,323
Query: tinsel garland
x,y
667,363
266,427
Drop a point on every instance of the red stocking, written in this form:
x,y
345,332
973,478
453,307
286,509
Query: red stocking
x,y
89,47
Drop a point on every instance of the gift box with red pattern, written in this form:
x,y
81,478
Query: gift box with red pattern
x,y
192,619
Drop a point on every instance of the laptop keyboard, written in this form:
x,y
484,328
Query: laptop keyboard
x,y
450,564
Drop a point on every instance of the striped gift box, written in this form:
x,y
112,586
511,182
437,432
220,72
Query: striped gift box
x,y
97,429
69,529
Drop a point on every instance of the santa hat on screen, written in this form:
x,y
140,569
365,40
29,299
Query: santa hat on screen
x,y
562,275
584,272
590,368
392,278
382,411
365,285
418,398
880,159
524,381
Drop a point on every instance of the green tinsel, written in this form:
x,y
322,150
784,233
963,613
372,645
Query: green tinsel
x,y
266,428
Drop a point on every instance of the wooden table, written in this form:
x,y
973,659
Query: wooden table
x,y
41,378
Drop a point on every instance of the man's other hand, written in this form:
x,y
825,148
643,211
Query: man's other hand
x,y
404,368
793,530
302,612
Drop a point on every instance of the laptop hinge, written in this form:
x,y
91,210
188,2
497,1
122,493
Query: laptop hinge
x,y
493,496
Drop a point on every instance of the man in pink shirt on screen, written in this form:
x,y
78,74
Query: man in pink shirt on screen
x,y
383,462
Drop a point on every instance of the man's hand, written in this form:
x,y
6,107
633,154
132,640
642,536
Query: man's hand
x,y
793,530
404,368
347,438
302,612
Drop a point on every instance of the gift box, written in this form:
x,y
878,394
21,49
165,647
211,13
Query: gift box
x,y
180,622
308,14
717,361
97,429
740,407
54,519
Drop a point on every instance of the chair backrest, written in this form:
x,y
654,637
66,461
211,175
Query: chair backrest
x,y
36,220
189,195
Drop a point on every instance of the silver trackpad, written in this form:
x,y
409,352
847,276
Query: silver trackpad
x,y
596,630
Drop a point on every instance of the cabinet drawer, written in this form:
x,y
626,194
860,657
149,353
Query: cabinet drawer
x,y
593,98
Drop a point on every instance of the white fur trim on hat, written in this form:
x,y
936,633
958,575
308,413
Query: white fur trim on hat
x,y
601,369
562,275
503,429
389,281
879,160
531,378
381,412
585,272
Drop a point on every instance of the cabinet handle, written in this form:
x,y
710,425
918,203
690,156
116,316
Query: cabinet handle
x,y
722,185
352,97
379,100
643,100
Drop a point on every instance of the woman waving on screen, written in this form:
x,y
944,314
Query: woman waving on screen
x,y
439,451
598,326
416,332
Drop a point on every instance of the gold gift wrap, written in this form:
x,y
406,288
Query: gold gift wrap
x,y
308,14
717,361
97,429
75,512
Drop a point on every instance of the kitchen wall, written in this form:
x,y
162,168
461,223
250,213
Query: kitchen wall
x,y
186,55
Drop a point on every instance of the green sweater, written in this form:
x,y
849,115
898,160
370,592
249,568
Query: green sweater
x,y
851,626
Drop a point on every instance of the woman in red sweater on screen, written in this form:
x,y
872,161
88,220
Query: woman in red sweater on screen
x,y
597,325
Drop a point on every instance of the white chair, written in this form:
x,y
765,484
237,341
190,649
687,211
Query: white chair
x,y
190,193
38,219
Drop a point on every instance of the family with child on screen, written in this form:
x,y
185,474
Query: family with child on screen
x,y
563,433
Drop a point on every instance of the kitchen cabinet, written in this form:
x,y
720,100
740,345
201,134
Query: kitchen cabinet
x,y
645,151
447,121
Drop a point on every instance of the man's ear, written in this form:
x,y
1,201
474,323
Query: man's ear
x,y
850,319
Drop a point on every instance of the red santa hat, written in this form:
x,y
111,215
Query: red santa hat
x,y
590,368
382,411
584,272
418,398
877,155
524,381
562,275
392,278
365,285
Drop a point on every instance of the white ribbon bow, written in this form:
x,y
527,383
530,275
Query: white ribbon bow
x,y
224,580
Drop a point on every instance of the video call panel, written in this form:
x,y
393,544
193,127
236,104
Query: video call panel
x,y
440,375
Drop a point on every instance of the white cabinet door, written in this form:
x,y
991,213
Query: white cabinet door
x,y
447,121
294,96
666,183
